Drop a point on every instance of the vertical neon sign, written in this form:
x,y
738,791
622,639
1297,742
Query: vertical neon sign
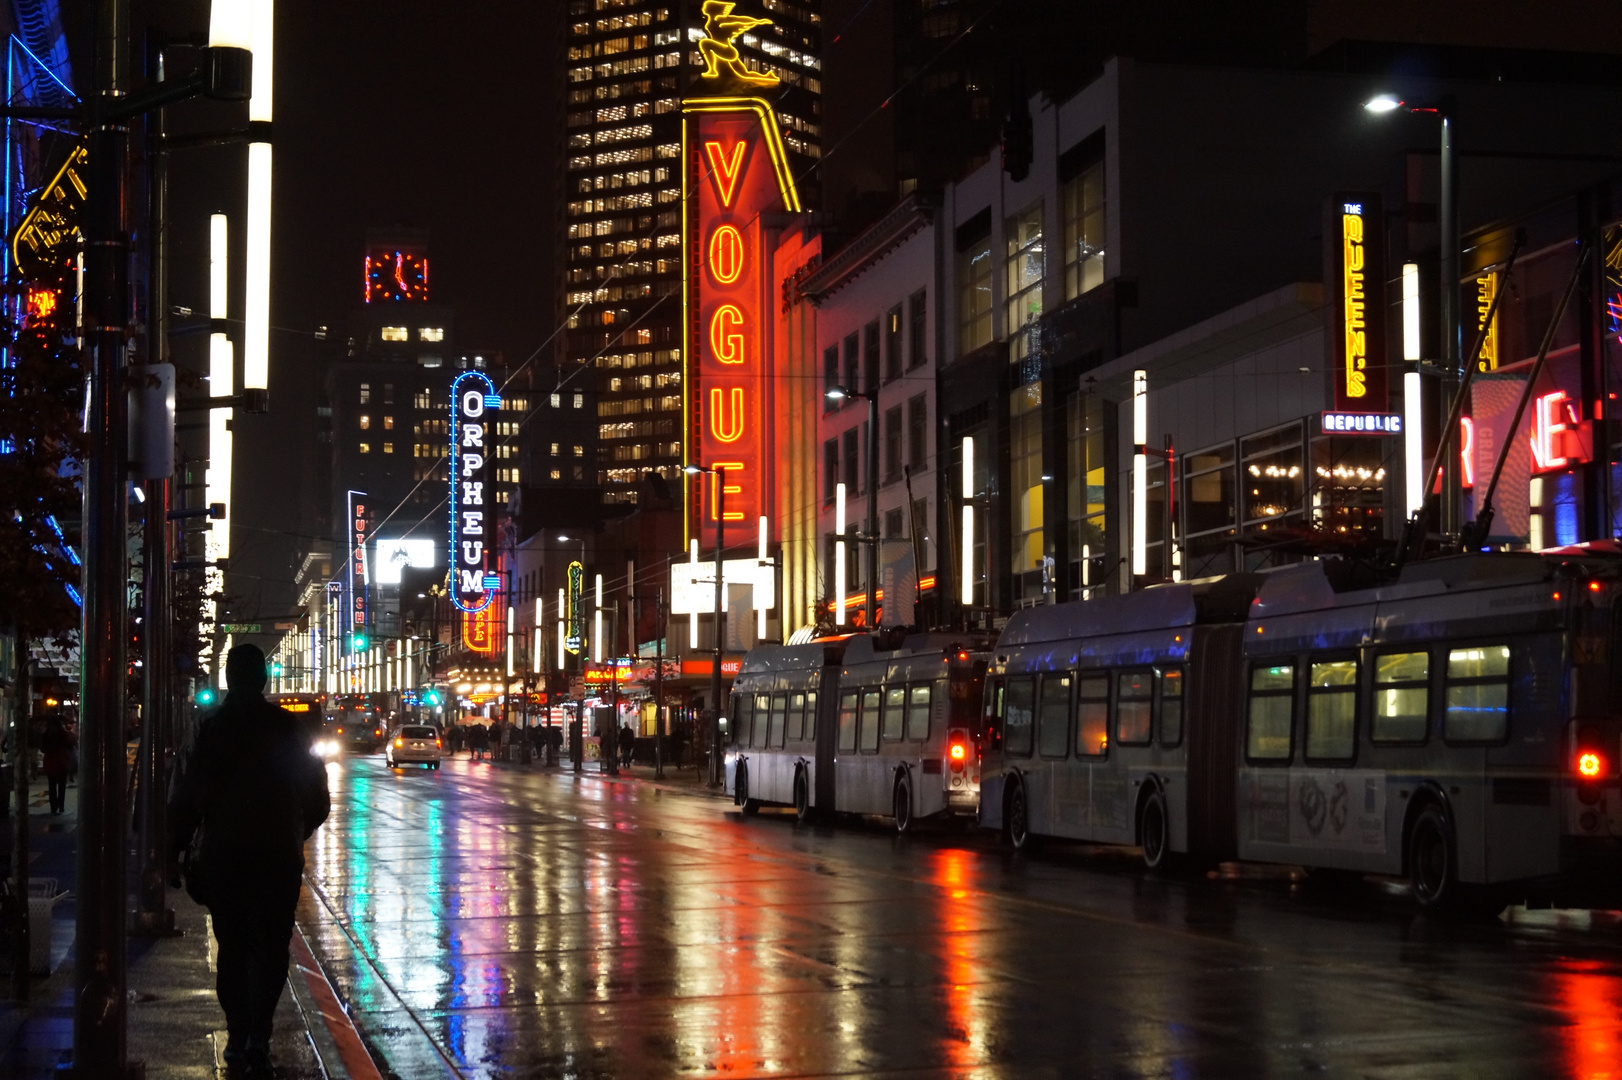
x,y
1354,274
735,170
472,502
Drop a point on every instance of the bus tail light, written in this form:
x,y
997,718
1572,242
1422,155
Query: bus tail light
x,y
440,745
340,731
1590,765
957,751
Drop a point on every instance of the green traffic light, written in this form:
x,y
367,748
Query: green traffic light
x,y
276,669
205,696
357,642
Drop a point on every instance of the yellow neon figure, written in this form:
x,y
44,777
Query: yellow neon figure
x,y
721,29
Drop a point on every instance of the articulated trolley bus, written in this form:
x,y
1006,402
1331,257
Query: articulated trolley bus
x,y
1460,725
839,726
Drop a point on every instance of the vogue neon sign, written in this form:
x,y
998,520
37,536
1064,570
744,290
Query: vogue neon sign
x,y
736,170
472,502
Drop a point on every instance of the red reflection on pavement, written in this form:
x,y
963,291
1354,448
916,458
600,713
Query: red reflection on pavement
x,y
964,1023
1591,999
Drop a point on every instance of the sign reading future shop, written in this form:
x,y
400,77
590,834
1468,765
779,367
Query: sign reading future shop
x,y
472,535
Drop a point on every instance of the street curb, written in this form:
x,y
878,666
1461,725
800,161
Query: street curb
x,y
337,1044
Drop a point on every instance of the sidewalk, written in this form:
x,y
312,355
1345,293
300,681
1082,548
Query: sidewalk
x,y
174,1021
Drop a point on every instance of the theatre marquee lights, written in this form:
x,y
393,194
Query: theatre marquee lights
x,y
735,171
472,501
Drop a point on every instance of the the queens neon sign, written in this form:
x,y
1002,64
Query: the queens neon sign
x,y
1355,298
472,502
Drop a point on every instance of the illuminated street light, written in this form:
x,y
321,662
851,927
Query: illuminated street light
x,y
1382,103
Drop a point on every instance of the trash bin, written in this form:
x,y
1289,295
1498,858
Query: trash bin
x,y
42,898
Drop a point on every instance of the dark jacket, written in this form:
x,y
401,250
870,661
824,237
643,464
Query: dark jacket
x,y
57,746
250,783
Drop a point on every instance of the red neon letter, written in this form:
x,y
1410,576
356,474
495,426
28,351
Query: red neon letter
x,y
725,341
726,425
1548,423
726,489
1467,452
726,254
726,167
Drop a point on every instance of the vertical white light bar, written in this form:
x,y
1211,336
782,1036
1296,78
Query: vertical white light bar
x,y
1140,472
511,660
967,569
839,555
761,593
1413,443
407,681
1410,311
692,594
221,383
562,630
535,663
597,624
256,312
1086,571
230,24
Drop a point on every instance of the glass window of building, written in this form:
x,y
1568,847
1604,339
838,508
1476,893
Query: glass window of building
x,y
917,329
365,448
830,469
1348,486
1272,480
1025,475
852,463
852,365
388,448
431,333
394,333
918,432
1210,511
870,357
973,273
830,373
892,444
365,393
1023,239
892,343
1084,445
388,423
1081,179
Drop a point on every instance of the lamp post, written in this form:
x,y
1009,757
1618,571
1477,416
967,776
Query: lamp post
x,y
577,737
714,739
840,393
1447,301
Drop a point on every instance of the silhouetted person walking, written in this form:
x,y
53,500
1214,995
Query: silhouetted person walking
x,y
247,793
57,748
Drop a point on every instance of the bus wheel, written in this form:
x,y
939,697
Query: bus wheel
x,y
750,806
901,805
1153,827
802,797
1017,819
1433,864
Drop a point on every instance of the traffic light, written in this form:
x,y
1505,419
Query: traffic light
x,y
276,668
205,696
430,697
357,642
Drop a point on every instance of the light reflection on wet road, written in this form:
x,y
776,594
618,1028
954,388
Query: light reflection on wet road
x,y
484,922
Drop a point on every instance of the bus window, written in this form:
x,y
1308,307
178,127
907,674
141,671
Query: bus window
x,y
741,704
1171,706
1477,694
808,730
895,708
1053,717
774,733
763,708
991,722
1134,702
1272,712
1332,711
1016,716
918,714
867,741
796,716
1092,715
1401,697
847,720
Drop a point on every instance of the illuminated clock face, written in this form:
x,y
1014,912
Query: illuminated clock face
x,y
396,275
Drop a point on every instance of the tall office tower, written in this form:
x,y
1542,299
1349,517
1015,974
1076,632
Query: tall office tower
x,y
629,63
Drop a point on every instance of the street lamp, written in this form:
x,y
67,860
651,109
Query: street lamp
x,y
840,393
720,616
1447,305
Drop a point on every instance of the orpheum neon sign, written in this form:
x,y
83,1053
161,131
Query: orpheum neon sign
x,y
472,502
736,170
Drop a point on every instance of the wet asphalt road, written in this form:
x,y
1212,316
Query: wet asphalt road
x,y
487,922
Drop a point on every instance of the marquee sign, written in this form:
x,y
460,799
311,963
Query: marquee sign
x,y
736,169
1357,423
472,503
1354,277
48,235
359,522
576,638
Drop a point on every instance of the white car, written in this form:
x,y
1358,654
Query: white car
x,y
414,744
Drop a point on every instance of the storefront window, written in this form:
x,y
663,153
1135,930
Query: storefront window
x,y
1272,485
1209,511
1348,485
1025,474
1084,442
1023,238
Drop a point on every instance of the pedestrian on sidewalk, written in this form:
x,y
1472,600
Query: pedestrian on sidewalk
x,y
58,745
627,744
247,793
